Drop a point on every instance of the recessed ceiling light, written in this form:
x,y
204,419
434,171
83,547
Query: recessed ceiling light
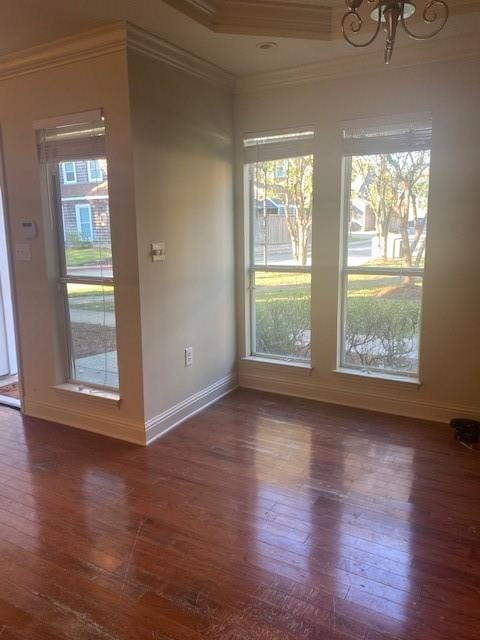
x,y
265,46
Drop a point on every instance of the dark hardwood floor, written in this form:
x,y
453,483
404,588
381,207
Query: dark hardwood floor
x,y
263,517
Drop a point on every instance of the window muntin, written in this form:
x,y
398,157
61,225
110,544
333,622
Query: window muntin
x,y
385,224
279,182
86,276
69,172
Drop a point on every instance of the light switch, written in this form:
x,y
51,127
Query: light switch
x,y
157,251
23,252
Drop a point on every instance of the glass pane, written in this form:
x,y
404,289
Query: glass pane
x,y
86,222
387,222
281,210
382,323
91,311
282,314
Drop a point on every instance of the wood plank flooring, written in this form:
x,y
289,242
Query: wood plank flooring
x,y
262,518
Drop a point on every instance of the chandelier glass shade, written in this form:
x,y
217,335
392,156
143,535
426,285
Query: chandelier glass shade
x,y
389,14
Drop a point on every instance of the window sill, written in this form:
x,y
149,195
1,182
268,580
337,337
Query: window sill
x,y
283,363
103,396
414,382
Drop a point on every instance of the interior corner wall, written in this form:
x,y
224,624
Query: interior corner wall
x,y
182,135
450,335
97,82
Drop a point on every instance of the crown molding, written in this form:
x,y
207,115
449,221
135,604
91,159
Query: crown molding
x,y
114,37
161,50
443,49
82,46
203,11
277,18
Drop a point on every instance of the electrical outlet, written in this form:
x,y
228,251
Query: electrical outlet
x,y
188,356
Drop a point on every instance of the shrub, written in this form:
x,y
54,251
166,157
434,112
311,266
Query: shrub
x,y
381,332
283,326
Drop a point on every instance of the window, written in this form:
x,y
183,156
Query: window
x,y
69,172
94,170
86,275
84,222
281,168
279,180
386,181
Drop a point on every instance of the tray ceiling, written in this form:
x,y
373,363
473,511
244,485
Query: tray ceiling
x,y
315,19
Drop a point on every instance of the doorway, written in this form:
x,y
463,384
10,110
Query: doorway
x,y
9,379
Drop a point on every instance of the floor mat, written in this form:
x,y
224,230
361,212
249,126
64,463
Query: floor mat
x,y
10,390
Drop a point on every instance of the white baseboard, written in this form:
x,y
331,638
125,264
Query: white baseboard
x,y
171,418
104,425
362,400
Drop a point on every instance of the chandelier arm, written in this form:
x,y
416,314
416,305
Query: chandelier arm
x,y
356,25
429,16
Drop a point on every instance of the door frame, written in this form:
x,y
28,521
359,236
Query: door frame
x,y
13,338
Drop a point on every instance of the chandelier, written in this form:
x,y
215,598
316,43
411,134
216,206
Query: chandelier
x,y
390,13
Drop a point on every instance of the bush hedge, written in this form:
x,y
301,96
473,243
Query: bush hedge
x,y
379,331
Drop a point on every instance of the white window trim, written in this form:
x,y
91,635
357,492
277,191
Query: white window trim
x,y
281,150
92,391
91,177
64,173
344,271
79,222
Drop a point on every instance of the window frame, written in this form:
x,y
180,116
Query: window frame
x,y
64,279
90,175
286,144
64,172
345,270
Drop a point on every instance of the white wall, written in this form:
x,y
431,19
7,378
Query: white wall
x,y
450,339
80,86
182,131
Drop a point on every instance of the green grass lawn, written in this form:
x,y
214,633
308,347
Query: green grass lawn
x,y
87,256
295,286
91,297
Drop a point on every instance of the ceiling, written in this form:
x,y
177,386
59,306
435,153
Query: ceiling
x,y
25,23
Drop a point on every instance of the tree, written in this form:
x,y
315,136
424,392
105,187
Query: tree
x,y
291,189
377,189
410,174
392,184
298,201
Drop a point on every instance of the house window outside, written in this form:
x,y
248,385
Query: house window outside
x,y
84,222
281,169
69,172
94,171
86,276
386,182
279,180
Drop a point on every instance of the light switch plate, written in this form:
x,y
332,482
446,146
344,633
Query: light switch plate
x,y
157,251
188,356
23,252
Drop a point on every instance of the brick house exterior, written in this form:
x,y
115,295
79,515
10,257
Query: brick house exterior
x,y
84,194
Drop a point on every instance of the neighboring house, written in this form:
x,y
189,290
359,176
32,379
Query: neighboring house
x,y
271,206
84,190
